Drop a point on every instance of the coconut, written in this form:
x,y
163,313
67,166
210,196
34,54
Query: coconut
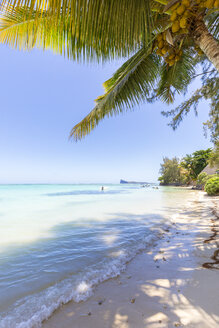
x,y
171,56
181,10
183,22
187,14
164,50
173,17
209,4
158,52
175,27
186,3
183,31
216,4
171,62
159,37
160,44
174,7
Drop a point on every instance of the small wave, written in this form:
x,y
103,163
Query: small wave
x,y
31,311
86,192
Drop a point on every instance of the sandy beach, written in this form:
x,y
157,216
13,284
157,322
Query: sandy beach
x,y
175,284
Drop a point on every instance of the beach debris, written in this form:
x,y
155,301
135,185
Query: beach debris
x,y
157,266
178,290
165,306
161,252
177,324
155,260
132,300
128,277
164,259
100,302
168,241
160,321
167,230
85,314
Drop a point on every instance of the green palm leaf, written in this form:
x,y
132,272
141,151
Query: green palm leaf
x,y
212,22
176,79
117,27
130,85
19,29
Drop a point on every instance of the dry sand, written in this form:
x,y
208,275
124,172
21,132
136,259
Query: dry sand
x,y
164,287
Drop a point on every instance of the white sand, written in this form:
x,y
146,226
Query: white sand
x,y
165,287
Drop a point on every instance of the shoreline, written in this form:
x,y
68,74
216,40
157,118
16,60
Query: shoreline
x,y
166,286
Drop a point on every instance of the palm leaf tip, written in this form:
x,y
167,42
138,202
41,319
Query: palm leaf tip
x,y
129,86
84,127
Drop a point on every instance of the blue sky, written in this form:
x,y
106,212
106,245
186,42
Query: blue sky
x,y
43,95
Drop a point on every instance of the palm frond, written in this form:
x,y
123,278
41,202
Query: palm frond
x,y
208,91
212,22
18,29
130,85
117,27
175,79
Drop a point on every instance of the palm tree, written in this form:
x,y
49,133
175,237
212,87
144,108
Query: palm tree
x,y
164,41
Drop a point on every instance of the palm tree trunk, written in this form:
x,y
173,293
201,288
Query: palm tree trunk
x,y
206,42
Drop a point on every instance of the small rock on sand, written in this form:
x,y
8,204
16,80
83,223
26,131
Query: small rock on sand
x,y
132,300
100,302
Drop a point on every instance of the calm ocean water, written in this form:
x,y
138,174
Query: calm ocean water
x,y
57,242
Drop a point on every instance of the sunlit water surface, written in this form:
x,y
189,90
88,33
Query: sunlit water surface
x,y
57,242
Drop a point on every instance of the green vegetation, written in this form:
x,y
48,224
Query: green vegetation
x,y
214,157
203,178
166,42
188,170
196,162
170,171
212,186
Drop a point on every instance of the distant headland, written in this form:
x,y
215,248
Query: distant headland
x,y
136,182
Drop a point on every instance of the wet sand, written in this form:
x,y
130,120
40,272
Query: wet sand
x,y
173,285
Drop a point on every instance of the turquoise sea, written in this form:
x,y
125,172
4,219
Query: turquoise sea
x,y
57,242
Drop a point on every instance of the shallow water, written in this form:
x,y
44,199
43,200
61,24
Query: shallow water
x,y
57,242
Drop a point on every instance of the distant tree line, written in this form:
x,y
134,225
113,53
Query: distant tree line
x,y
188,170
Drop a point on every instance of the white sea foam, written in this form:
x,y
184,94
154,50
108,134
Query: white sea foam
x,y
31,311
